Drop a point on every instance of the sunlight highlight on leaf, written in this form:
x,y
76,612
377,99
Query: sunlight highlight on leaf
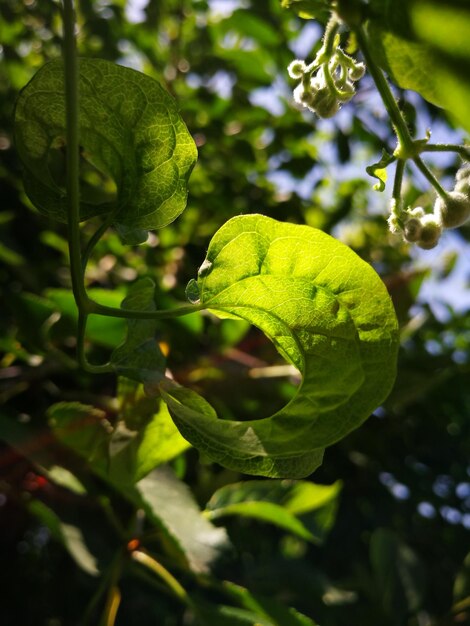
x,y
326,311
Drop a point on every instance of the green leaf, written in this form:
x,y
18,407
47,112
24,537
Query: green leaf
x,y
378,170
461,589
169,504
223,615
399,574
308,9
279,503
426,50
136,152
249,25
63,477
84,429
122,455
68,534
326,311
410,64
140,357
135,453
103,331
278,614
266,512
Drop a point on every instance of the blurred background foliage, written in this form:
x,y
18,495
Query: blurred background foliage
x,y
387,542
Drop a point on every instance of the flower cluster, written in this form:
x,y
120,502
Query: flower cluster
x,y
451,211
327,83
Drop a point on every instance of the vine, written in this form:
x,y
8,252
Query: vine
x,y
255,267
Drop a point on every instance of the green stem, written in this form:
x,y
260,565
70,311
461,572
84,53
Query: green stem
x,y
109,311
108,581
88,367
94,240
398,181
423,168
463,151
164,574
405,140
72,156
329,37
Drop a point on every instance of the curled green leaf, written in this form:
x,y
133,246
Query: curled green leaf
x,y
378,170
326,311
136,153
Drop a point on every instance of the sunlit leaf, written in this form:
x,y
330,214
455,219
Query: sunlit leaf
x,y
327,313
136,152
427,51
135,453
278,502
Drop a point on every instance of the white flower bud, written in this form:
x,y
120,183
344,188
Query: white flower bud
x,y
412,230
463,172
357,71
325,103
347,90
416,212
431,230
297,69
454,211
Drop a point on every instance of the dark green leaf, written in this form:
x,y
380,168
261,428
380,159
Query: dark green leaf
x,y
279,503
84,429
136,152
140,357
278,614
327,313
399,574
68,534
169,504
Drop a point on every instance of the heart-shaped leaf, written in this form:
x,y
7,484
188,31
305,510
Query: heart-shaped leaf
x,y
326,311
136,152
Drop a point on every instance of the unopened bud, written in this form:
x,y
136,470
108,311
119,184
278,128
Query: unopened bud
x,y
431,231
412,230
454,210
297,69
357,71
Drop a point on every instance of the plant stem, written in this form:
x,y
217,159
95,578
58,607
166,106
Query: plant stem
x,y
110,578
423,168
109,311
72,156
463,151
330,34
405,140
164,574
84,363
397,183
94,240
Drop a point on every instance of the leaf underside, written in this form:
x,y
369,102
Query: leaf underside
x,y
326,311
136,152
